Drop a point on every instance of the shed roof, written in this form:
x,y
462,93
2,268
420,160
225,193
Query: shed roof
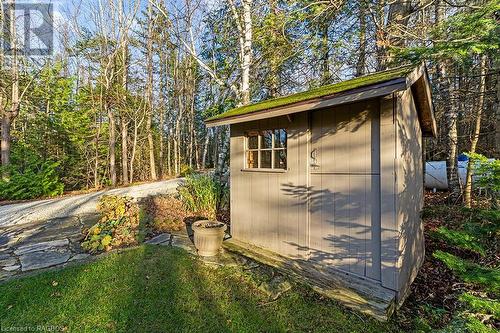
x,y
360,88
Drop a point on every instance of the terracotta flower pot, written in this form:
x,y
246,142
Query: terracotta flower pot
x,y
208,236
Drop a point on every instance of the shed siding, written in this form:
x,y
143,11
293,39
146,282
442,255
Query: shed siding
x,y
410,192
359,209
344,191
389,229
269,209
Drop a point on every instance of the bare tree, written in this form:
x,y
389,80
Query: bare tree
x,y
476,132
361,62
149,89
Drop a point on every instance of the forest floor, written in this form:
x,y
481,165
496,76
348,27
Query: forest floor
x,y
76,205
458,286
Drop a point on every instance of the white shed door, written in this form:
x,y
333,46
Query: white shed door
x,y
344,204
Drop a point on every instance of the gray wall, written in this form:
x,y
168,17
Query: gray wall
x,y
410,192
364,197
345,188
269,209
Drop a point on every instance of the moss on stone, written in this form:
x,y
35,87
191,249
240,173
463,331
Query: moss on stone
x,y
322,91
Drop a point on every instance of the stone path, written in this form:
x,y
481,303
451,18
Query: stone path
x,y
45,233
39,245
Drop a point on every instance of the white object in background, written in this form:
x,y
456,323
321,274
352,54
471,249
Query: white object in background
x,y
436,178
435,175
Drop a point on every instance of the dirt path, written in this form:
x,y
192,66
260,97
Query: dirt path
x,y
32,211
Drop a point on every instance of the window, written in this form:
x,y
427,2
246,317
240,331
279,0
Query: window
x,y
266,149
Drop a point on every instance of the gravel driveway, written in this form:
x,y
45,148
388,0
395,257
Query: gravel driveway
x,y
26,212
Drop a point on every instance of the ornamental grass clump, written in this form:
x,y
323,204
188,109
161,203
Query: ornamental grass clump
x,y
203,194
118,225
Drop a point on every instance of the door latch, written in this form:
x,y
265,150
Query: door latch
x,y
314,158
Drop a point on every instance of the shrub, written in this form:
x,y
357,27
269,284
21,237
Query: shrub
x,y
484,224
186,170
488,175
460,239
471,272
203,194
166,213
37,179
117,226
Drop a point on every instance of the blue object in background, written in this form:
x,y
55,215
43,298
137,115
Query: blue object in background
x,y
462,158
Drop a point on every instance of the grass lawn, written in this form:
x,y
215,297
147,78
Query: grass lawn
x,y
159,289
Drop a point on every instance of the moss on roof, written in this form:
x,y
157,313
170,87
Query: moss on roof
x,y
327,90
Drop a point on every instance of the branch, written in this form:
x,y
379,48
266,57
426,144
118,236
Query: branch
x,y
192,52
236,16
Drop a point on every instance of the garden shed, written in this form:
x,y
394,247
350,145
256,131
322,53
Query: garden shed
x,y
327,184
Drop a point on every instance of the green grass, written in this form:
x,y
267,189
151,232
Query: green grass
x,y
474,325
460,239
470,272
481,305
335,88
158,289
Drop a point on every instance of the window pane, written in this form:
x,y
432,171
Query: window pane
x,y
280,138
267,139
253,142
265,156
280,159
252,159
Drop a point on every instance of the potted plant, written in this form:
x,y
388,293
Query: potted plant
x,y
208,236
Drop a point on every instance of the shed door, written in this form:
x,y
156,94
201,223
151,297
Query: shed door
x,y
344,202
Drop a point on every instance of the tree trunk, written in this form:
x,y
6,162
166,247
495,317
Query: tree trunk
x,y
477,131
162,157
134,149
205,150
112,144
247,52
215,155
451,118
169,156
325,52
124,122
196,149
96,153
6,139
176,156
450,115
149,121
361,63
124,130
274,61
397,21
224,151
9,116
244,27
163,110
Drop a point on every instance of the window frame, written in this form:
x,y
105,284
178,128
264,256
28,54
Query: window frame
x,y
259,150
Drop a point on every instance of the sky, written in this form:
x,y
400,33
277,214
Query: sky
x,y
79,13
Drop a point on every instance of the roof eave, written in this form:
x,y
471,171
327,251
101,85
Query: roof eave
x,y
354,95
418,81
